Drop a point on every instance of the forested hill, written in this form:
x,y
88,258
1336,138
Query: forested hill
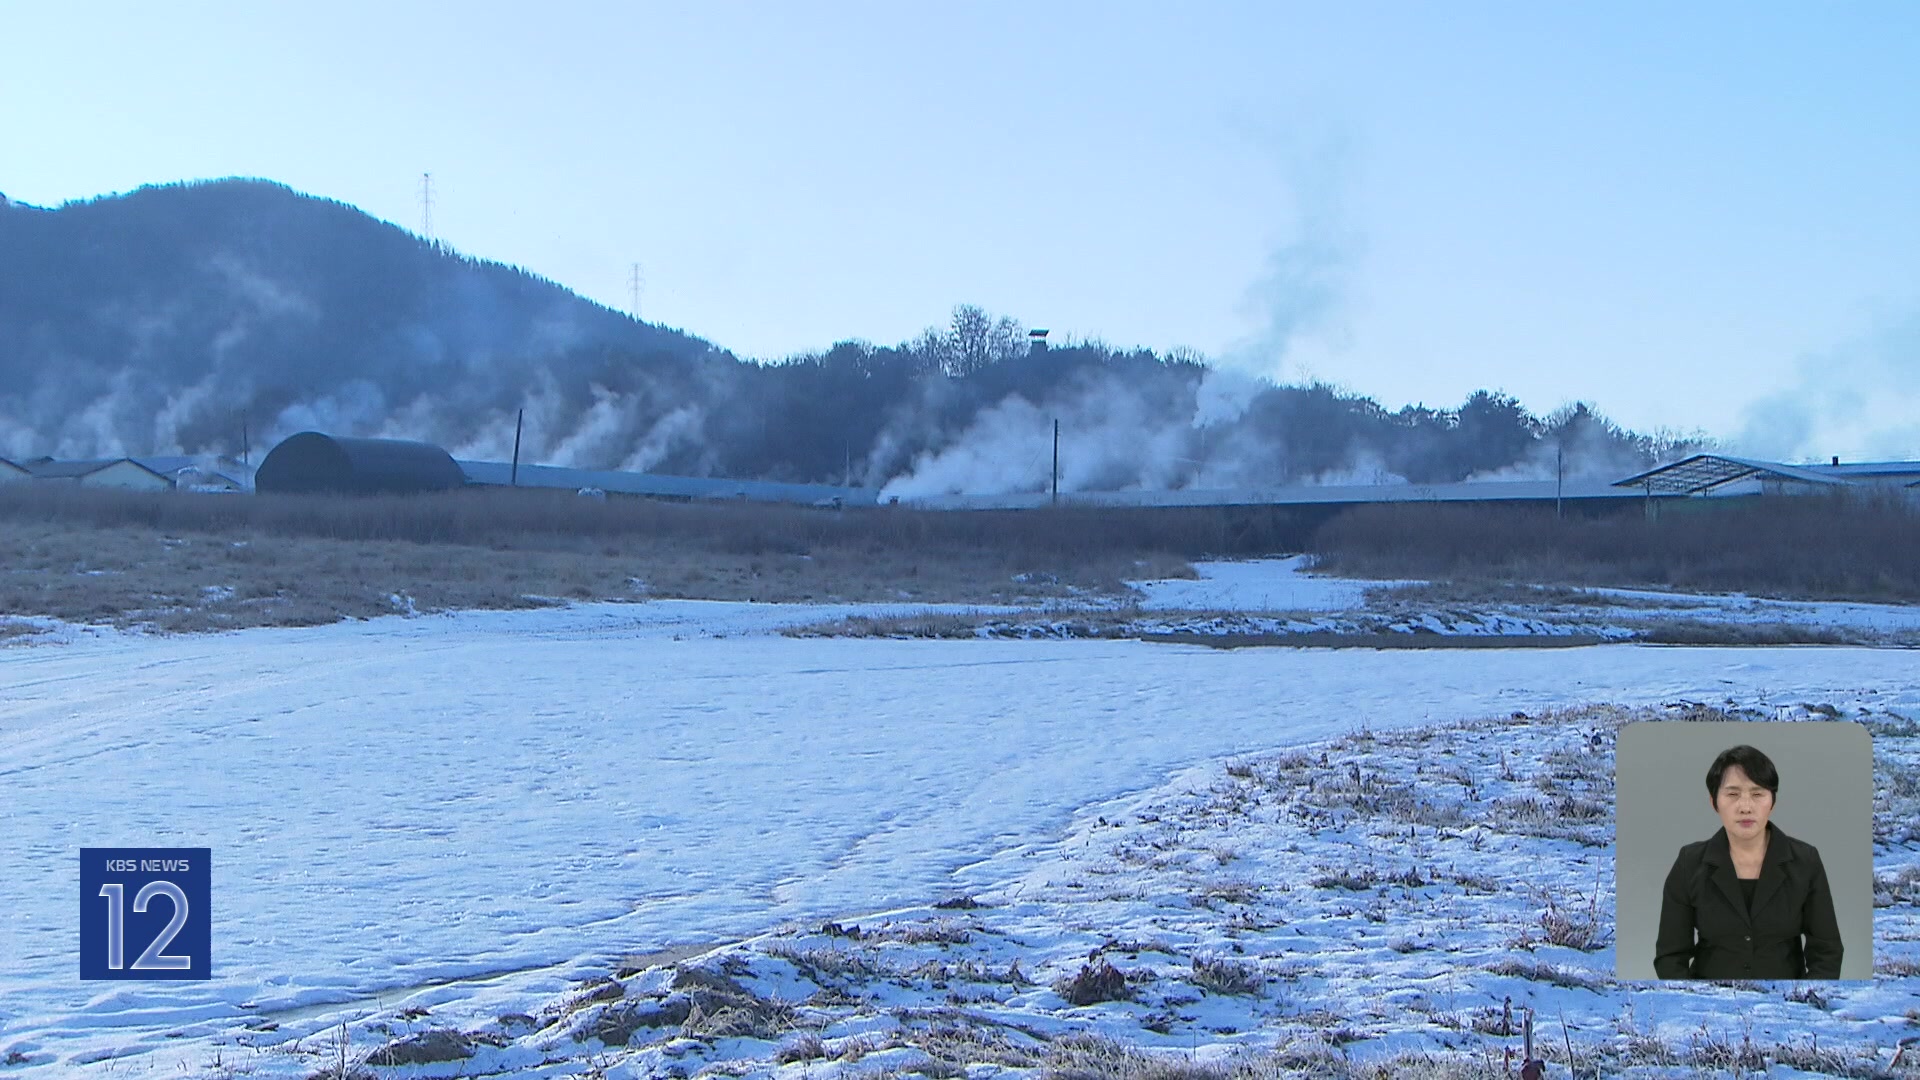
x,y
166,320
162,318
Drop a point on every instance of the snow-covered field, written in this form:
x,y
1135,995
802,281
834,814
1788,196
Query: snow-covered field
x,y
469,814
1277,596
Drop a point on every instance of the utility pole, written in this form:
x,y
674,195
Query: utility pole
x,y
426,206
1559,478
1056,463
633,283
513,477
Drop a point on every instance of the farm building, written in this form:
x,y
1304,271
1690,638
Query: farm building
x,y
124,473
684,488
314,462
177,472
1701,475
1723,475
1580,494
311,462
199,473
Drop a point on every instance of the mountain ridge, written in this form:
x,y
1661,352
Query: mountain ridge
x,y
203,305
195,317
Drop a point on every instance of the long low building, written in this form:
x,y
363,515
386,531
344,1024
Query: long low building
x,y
503,474
152,473
315,462
124,473
311,461
1294,495
1696,476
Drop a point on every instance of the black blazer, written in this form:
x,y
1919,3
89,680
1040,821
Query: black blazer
x,y
1792,899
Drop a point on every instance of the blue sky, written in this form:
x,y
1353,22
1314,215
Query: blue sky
x,y
1698,216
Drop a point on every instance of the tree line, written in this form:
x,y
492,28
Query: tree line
x,y
173,318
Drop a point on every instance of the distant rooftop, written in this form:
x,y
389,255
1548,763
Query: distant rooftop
x,y
49,469
1300,495
500,474
1703,473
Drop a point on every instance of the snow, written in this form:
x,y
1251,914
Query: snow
x,y
469,813
1737,608
1282,596
1265,585
1281,901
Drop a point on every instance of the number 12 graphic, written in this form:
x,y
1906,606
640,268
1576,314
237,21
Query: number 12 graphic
x,y
152,959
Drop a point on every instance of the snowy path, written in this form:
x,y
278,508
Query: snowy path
x,y
404,801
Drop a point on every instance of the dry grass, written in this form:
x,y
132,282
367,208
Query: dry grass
x,y
1568,817
1696,632
1808,1055
1223,975
1839,548
1578,928
933,625
207,562
1367,878
489,517
806,1047
934,932
702,1005
1094,983
1475,592
127,576
1542,971
826,964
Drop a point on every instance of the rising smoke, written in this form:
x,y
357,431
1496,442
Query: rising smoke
x,y
275,313
1860,399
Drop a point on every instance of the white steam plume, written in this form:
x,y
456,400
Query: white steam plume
x,y
1858,400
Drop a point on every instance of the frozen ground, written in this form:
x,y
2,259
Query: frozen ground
x,y
1256,585
1278,602
1279,597
469,813
1382,899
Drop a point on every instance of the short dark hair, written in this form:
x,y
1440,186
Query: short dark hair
x,y
1758,767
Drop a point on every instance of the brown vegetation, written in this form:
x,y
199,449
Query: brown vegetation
x,y
528,517
195,562
1843,548
1094,984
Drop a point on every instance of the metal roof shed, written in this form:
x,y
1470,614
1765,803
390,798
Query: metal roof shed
x,y
190,473
1701,474
311,462
100,472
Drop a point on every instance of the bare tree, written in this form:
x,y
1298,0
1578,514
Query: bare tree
x,y
976,340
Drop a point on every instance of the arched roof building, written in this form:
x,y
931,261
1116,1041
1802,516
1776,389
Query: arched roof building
x,y
312,462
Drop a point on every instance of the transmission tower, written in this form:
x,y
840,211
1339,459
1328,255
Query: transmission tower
x,y
633,284
426,206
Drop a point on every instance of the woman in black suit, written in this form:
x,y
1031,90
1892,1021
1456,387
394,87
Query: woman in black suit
x,y
1738,905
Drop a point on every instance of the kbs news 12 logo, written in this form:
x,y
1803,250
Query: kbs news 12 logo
x,y
146,913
